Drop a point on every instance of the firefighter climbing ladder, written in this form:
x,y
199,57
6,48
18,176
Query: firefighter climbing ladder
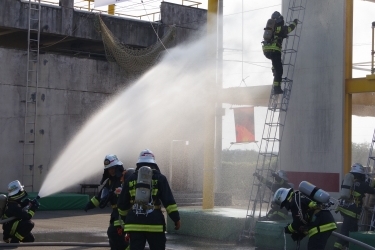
x,y
260,196
368,217
32,75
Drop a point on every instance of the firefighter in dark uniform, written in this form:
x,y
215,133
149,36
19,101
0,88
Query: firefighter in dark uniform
x,y
272,49
308,218
113,171
281,181
146,222
19,229
351,208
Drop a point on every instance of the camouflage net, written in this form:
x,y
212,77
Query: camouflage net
x,y
132,60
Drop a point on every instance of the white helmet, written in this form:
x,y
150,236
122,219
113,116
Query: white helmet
x,y
281,195
111,161
14,188
357,168
282,174
146,156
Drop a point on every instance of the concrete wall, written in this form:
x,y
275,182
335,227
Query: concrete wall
x,y
70,88
313,134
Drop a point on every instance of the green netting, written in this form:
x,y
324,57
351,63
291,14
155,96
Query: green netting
x,y
134,61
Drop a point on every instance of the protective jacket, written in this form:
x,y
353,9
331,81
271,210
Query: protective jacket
x,y
280,33
353,206
308,218
22,214
161,195
275,213
111,185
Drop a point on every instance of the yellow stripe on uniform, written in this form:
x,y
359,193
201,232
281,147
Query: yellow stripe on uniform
x,y
143,228
123,212
95,201
323,228
171,208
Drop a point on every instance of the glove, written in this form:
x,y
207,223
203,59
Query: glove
x,y
177,225
256,174
89,206
35,204
295,21
297,237
286,230
25,202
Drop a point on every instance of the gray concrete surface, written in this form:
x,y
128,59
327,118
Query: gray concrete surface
x,y
313,133
70,88
91,227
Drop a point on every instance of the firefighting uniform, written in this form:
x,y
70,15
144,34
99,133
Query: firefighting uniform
x,y
115,233
276,213
150,227
20,228
272,50
352,209
309,219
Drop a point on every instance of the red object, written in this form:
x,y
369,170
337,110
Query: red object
x,y
329,182
244,123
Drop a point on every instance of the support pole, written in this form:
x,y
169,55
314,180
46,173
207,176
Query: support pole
x,y
209,142
111,9
348,96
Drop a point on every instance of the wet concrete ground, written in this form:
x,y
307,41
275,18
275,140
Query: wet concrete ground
x,y
91,227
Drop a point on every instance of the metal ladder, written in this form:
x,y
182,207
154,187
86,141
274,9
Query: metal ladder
x,y
260,195
33,39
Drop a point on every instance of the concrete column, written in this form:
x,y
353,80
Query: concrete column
x,y
67,16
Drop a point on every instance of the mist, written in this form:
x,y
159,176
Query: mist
x,y
165,104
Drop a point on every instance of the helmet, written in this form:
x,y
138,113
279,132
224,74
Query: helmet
x,y
357,168
281,195
14,188
146,156
111,161
282,174
277,17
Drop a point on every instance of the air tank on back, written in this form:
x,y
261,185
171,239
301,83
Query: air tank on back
x,y
143,186
315,193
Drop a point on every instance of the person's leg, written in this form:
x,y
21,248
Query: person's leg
x,y
345,227
23,229
318,241
116,237
156,241
277,68
137,240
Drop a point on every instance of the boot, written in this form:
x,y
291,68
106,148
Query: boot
x,y
277,90
14,240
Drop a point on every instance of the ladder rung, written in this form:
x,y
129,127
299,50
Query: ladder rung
x,y
34,9
34,19
34,29
34,40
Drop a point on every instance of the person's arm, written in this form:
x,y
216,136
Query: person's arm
x,y
123,202
168,201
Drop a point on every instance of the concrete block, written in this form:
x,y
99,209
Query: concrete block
x,y
217,223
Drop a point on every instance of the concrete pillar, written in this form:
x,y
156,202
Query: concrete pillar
x,y
67,16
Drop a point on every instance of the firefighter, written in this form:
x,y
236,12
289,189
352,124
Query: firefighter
x,y
113,173
23,209
308,218
351,208
145,222
272,48
280,181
